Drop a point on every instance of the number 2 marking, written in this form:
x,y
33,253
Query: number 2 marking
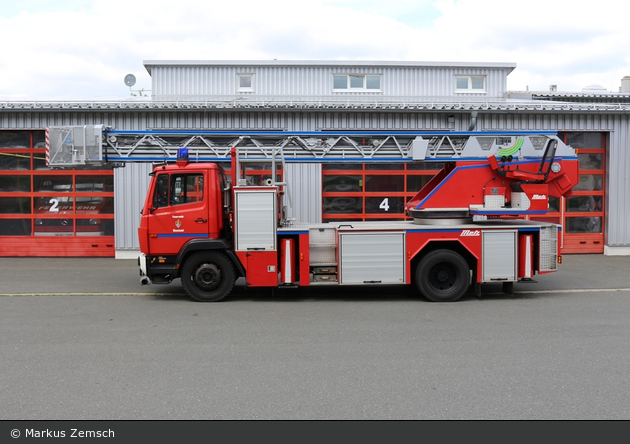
x,y
55,203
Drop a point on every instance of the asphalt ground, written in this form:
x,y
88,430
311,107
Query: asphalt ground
x,y
108,276
81,339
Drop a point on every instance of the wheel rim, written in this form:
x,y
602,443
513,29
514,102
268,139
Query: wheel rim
x,y
443,277
207,277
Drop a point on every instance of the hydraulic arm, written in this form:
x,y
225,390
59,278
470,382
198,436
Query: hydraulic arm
x,y
505,175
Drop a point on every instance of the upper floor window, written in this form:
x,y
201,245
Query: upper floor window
x,y
356,82
475,84
245,83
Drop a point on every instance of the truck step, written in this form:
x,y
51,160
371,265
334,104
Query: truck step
x,y
325,270
325,277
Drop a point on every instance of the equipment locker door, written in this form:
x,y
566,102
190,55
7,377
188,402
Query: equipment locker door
x,y
499,254
372,257
255,219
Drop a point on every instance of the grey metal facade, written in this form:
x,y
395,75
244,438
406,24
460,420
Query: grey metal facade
x,y
130,187
211,80
304,197
618,184
298,97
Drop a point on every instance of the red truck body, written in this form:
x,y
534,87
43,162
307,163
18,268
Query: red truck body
x,y
198,227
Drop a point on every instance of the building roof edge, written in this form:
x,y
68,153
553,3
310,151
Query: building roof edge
x,y
149,64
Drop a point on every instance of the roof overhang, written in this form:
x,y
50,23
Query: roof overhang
x,y
150,64
508,106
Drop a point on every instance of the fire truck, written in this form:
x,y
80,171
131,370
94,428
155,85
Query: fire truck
x,y
60,204
466,227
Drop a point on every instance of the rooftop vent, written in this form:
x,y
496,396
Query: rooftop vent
x,y
594,88
553,88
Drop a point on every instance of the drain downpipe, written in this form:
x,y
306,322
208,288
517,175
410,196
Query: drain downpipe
x,y
473,121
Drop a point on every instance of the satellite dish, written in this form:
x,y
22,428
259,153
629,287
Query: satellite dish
x,y
130,80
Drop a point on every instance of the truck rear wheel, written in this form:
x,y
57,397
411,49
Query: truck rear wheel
x,y
208,276
442,276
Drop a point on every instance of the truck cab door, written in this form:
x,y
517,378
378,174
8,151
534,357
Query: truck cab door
x,y
179,212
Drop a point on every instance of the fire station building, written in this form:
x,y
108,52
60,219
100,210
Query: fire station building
x,y
95,212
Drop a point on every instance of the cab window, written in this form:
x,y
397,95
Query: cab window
x,y
186,188
178,189
160,196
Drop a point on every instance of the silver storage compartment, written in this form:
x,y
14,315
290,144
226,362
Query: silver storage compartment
x,y
548,248
323,246
372,257
499,253
255,217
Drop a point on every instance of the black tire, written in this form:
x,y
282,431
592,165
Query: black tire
x,y
442,276
208,276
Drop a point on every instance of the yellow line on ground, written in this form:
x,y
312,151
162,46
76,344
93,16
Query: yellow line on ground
x,y
575,290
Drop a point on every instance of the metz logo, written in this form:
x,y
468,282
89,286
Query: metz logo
x,y
539,197
471,233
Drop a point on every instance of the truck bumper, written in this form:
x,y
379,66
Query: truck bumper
x,y
142,264
157,270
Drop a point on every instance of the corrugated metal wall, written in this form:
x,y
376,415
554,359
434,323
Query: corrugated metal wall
x,y
618,185
134,177
304,191
377,121
546,122
130,188
201,82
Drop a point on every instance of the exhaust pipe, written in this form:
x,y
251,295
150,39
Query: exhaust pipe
x,y
144,280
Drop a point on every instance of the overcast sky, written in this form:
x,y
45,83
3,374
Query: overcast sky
x,y
84,48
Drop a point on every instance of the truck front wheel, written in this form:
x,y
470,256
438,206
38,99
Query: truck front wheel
x,y
208,276
442,276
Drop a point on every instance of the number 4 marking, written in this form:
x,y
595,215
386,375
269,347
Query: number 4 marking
x,y
384,205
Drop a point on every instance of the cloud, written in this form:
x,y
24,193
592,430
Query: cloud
x,y
85,48
547,39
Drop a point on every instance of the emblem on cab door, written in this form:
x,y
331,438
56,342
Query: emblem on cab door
x,y
178,223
